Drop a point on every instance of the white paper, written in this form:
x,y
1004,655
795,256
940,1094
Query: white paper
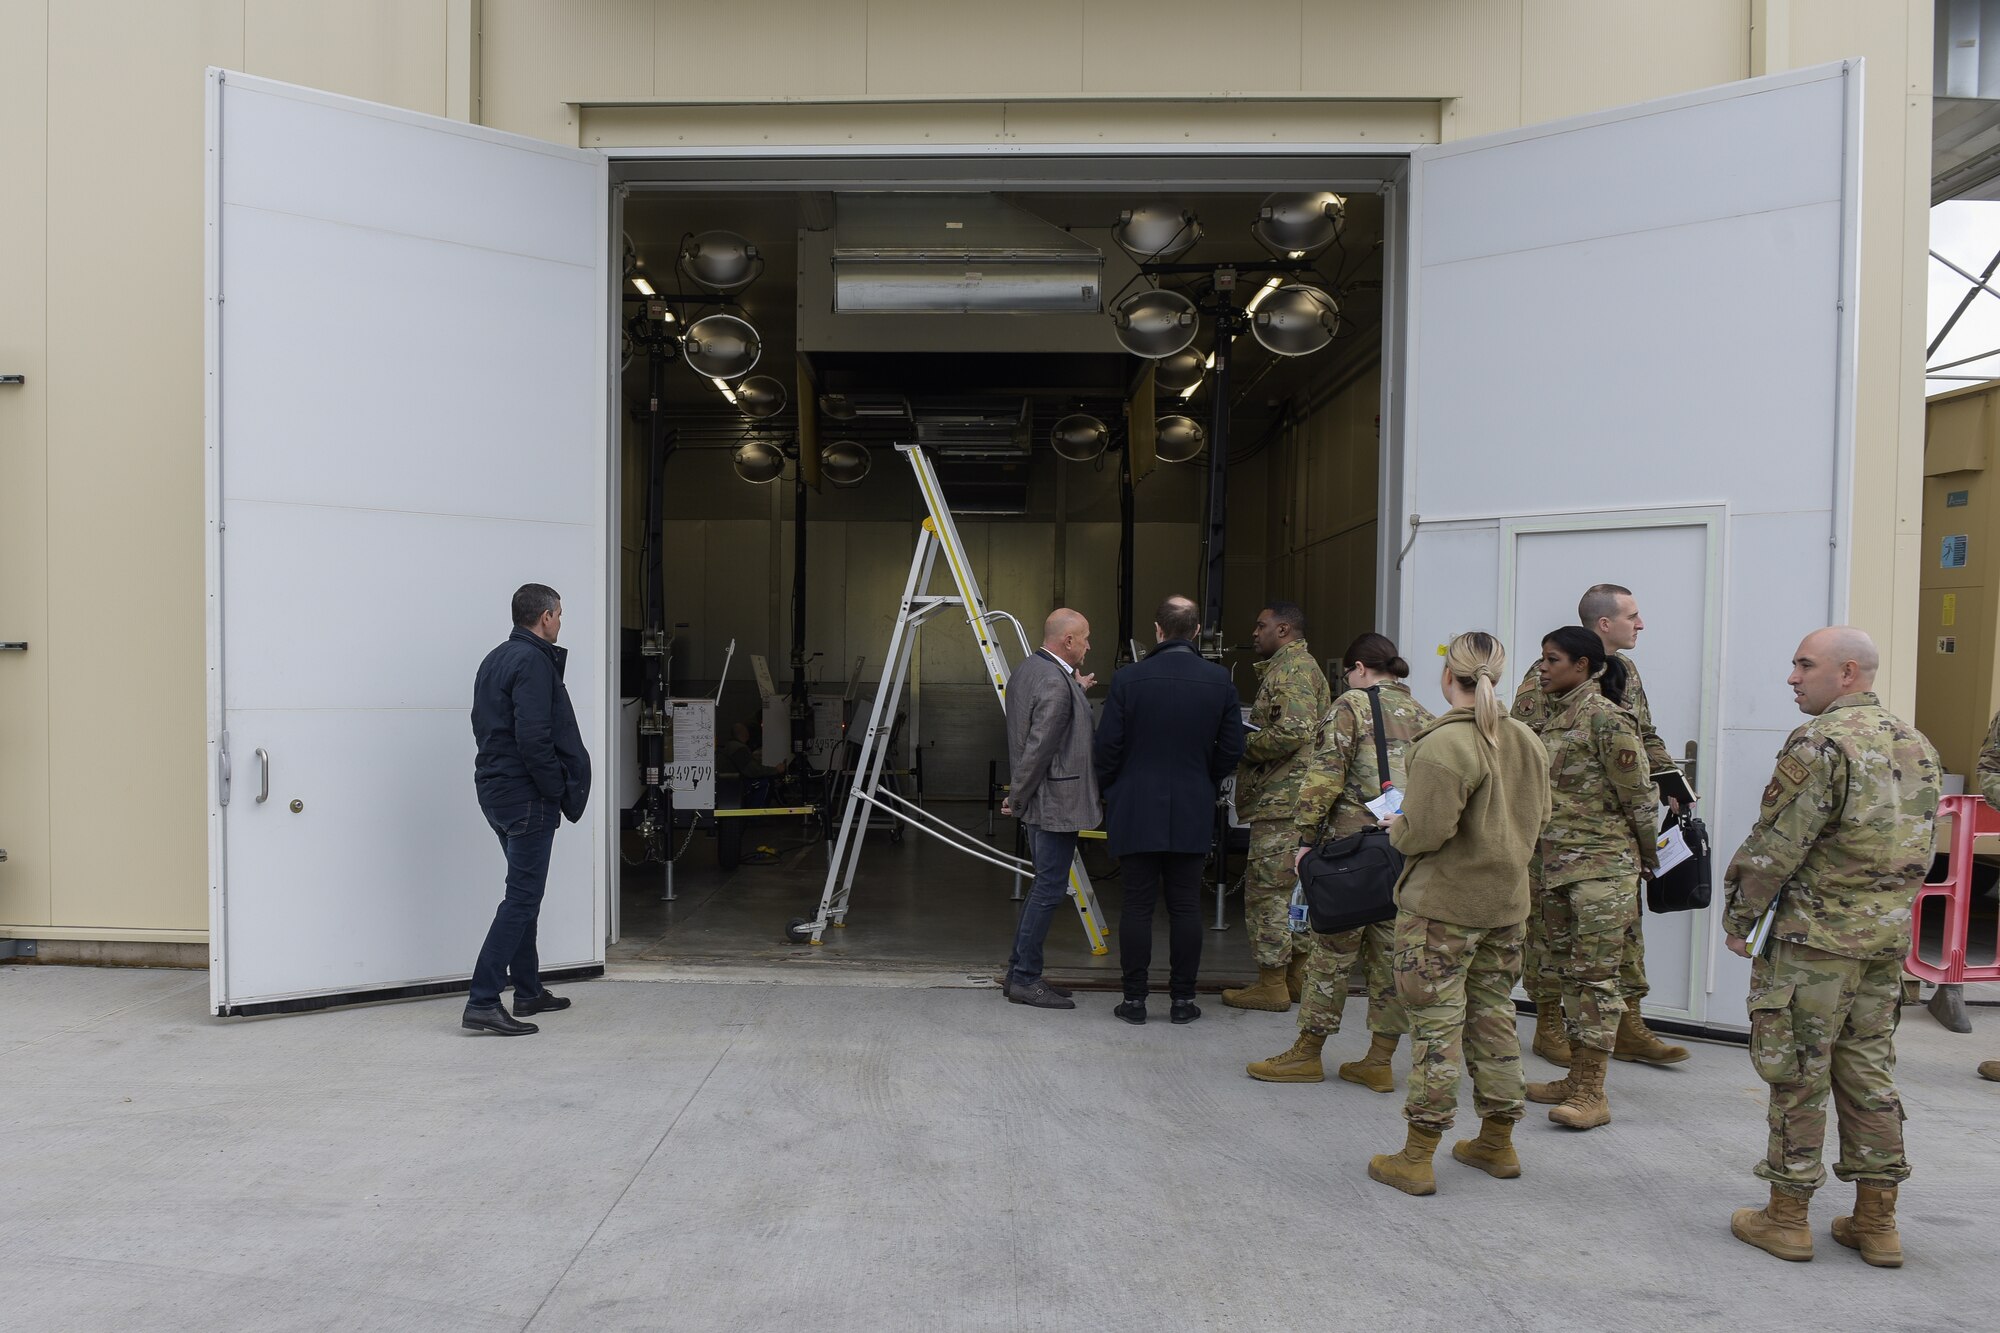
x,y
691,766
1673,849
1760,934
1390,802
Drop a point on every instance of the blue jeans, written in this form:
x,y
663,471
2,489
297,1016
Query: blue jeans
x,y
526,832
1052,854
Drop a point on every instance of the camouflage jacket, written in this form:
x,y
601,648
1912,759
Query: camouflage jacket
x,y
1342,776
1845,834
1292,697
1604,813
1989,764
1534,707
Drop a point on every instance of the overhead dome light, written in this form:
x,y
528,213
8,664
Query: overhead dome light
x,y
759,462
838,406
844,463
1180,371
1292,226
1080,437
1156,231
761,396
1296,320
1177,439
1156,323
721,261
721,347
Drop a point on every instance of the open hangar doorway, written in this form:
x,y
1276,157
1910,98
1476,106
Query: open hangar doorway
x,y
983,385
1623,339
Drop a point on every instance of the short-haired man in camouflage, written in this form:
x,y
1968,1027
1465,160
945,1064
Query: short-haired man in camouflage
x,y
1610,610
1292,698
1843,839
1988,778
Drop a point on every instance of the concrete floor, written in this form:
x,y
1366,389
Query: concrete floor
x,y
916,904
718,1157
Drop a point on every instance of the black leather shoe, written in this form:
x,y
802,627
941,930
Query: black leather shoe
x,y
1038,994
1132,1011
493,1018
1185,1011
547,1002
1007,988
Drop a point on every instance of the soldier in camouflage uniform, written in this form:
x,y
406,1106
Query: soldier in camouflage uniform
x,y
1599,835
1610,610
1989,786
1292,698
1842,841
1333,803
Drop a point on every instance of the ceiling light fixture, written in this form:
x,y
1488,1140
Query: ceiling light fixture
x,y
1177,439
727,392
844,463
721,347
1297,321
1257,298
1080,437
758,462
721,261
1297,225
1155,323
644,287
761,397
1182,370
1156,231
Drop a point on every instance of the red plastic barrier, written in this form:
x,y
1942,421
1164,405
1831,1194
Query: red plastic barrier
x,y
1970,817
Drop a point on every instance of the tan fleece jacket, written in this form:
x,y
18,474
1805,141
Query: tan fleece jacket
x,y
1471,818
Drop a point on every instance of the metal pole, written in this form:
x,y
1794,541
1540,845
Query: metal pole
x,y
1214,538
801,714
1127,518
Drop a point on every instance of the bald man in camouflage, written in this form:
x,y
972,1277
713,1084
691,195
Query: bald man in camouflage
x,y
1843,839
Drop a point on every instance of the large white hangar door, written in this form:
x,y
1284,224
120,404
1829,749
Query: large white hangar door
x,y
407,386
1649,309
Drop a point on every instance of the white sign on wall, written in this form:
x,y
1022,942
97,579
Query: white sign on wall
x,y
691,767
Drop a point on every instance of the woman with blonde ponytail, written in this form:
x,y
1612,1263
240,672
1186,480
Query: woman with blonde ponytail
x,y
1474,803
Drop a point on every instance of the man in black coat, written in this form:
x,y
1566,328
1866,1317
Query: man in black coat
x,y
531,768
1172,730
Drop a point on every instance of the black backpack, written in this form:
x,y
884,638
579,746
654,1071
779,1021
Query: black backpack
x,y
1351,881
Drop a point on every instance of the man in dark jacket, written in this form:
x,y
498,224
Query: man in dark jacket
x,y
1172,730
531,767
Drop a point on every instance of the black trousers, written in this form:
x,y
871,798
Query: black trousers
x,y
1149,875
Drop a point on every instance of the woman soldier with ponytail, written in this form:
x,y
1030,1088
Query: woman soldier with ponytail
x,y
1600,833
1475,800
1333,802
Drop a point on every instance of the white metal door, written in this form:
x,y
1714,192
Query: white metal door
x,y
1649,308
406,379
1672,562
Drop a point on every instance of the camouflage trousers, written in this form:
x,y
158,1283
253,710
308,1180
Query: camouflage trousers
x,y
1583,926
1542,979
1456,984
1820,1023
1329,960
1268,881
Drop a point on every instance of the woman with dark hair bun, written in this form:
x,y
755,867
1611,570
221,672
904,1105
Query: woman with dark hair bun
x,y
1599,835
1341,781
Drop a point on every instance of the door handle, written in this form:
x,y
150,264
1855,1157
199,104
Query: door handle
x,y
224,771
264,788
1688,762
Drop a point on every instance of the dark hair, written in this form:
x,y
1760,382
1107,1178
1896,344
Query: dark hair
x,y
1377,652
1579,644
1599,600
1289,613
1178,617
532,601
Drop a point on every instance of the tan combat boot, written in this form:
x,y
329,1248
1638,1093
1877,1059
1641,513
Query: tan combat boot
x,y
1638,1042
1585,1107
1551,1042
1493,1151
1268,992
1872,1228
1295,977
1372,1070
1552,1094
1300,1064
1779,1227
1409,1170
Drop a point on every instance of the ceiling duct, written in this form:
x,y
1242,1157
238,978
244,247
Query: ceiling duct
x,y
1000,428
958,254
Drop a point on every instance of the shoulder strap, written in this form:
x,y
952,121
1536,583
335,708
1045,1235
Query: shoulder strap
x,y
1381,739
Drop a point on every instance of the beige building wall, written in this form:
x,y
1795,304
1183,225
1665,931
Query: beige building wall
x,y
101,722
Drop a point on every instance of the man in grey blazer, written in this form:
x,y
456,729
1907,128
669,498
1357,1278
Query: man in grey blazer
x,y
1053,789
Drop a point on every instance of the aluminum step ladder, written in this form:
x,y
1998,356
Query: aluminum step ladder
x,y
938,537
